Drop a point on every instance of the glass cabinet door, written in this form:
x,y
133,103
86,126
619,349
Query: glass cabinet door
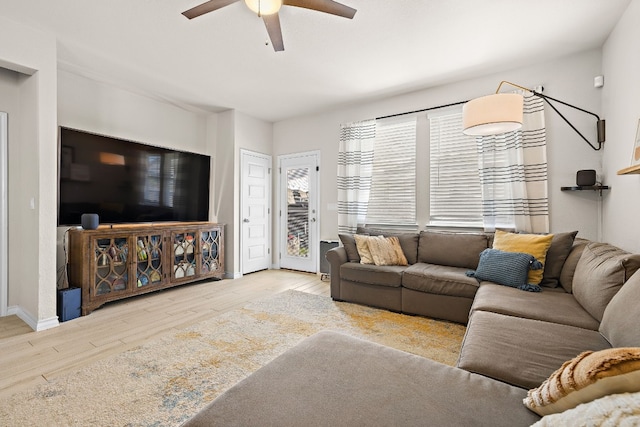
x,y
210,244
184,254
149,250
111,267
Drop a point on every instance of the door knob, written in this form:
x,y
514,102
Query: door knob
x,y
313,220
245,220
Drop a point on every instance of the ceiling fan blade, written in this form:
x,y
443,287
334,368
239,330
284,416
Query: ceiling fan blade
x,y
207,7
327,6
272,22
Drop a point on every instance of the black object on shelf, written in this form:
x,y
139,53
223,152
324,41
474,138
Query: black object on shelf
x,y
586,178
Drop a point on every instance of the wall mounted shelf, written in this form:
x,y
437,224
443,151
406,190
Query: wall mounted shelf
x,y
630,170
586,188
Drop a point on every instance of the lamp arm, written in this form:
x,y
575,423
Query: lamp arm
x,y
600,125
565,103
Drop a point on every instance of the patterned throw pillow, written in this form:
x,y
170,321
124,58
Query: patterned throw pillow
x,y
506,268
386,251
586,377
533,244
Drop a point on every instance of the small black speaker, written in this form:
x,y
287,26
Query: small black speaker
x,y
586,178
89,221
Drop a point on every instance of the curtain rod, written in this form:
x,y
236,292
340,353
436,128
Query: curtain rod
x,y
420,111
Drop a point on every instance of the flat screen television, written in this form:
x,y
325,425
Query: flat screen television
x,y
129,182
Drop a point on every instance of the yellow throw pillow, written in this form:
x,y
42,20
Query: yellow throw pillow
x,y
386,251
362,244
588,376
532,244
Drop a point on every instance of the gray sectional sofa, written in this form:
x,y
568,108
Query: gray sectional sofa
x,y
434,284
514,339
513,336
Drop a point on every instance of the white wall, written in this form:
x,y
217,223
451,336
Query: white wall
x,y
32,174
236,131
569,79
106,109
225,178
621,105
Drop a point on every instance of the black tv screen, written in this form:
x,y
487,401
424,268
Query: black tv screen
x,y
129,182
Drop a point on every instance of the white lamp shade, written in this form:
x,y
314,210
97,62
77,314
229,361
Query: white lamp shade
x,y
264,7
492,114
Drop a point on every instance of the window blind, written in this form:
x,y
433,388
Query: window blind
x,y
455,189
392,200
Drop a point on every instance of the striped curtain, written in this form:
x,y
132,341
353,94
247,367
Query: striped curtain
x,y
355,165
513,174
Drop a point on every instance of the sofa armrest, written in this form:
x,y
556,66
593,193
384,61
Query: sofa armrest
x,y
336,257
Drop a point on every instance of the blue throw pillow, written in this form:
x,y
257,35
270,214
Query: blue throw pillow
x,y
506,268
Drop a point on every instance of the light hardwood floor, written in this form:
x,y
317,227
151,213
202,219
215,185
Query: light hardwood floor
x,y
28,358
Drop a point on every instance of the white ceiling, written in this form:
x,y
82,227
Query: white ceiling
x,y
220,60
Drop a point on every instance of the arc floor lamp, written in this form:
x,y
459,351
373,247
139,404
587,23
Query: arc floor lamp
x,y
502,112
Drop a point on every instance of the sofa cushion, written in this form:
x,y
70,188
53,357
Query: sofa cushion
x,y
600,272
452,249
519,351
440,279
349,243
557,254
586,377
331,379
549,306
408,241
569,267
536,245
506,268
386,251
390,275
620,319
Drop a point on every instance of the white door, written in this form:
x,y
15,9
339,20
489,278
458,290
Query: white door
x,y
299,244
256,211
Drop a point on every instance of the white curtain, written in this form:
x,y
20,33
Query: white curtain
x,y
513,174
355,165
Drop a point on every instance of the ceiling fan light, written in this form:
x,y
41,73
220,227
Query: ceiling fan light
x,y
264,7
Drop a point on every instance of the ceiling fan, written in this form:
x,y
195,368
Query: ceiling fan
x,y
268,11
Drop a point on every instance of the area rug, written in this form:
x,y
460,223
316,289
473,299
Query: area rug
x,y
166,380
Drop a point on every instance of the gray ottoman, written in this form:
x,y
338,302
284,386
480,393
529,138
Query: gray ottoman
x,y
332,379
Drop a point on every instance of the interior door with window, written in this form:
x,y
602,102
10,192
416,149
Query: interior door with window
x,y
299,245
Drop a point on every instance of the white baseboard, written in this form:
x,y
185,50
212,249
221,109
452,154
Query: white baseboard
x,y
36,325
231,275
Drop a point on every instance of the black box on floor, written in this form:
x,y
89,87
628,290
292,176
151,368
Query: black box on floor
x,y
325,245
69,301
